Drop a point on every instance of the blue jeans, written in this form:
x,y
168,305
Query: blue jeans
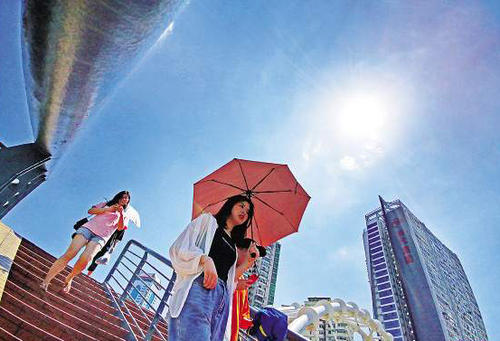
x,y
204,314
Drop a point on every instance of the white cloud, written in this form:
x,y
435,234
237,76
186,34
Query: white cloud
x,y
349,163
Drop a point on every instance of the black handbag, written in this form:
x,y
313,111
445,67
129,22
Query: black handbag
x,y
80,222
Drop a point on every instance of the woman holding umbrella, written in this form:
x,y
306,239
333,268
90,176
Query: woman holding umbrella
x,y
204,258
109,216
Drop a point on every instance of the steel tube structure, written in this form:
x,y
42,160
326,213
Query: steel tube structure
x,y
358,320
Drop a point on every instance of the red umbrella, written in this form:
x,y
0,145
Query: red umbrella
x,y
279,200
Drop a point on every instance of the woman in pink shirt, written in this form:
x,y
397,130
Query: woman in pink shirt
x,y
108,216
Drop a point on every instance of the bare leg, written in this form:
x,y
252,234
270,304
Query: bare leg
x,y
87,255
76,245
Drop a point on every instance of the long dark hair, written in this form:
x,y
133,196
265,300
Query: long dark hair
x,y
239,231
117,198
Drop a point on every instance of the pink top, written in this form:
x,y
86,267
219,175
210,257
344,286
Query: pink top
x,y
105,224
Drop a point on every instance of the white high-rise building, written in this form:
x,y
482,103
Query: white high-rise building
x,y
261,293
419,289
143,292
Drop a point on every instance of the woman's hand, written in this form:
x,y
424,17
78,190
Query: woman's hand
x,y
246,261
252,251
243,284
105,209
115,208
210,273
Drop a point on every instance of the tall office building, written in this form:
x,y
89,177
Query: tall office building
x,y
261,293
144,291
419,289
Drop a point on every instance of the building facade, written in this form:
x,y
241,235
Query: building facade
x,y
420,291
262,292
143,291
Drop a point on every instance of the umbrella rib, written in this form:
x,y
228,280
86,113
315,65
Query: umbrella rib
x,y
227,184
280,213
264,178
214,203
242,173
277,191
258,230
283,191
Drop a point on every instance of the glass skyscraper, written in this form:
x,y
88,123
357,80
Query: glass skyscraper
x,y
419,289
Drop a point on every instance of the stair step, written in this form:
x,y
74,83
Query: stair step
x,y
85,313
76,288
162,326
134,309
82,320
40,270
27,313
144,326
27,279
45,264
144,330
141,320
22,329
6,336
30,284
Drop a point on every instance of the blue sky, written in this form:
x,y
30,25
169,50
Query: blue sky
x,y
281,82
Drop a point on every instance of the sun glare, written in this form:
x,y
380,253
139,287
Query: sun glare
x,y
362,115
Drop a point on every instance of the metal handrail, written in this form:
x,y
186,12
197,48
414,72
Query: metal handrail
x,y
119,300
142,310
125,293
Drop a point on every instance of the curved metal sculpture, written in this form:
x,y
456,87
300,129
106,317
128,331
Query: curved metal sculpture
x,y
357,320
74,54
76,51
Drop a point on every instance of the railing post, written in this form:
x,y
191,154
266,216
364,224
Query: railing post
x,y
159,311
135,275
118,261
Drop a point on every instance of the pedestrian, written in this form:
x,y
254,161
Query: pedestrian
x,y
109,216
204,258
241,318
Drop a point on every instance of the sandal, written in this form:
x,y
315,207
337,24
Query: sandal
x,y
67,287
44,286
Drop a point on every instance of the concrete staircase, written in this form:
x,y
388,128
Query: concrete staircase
x,y
86,313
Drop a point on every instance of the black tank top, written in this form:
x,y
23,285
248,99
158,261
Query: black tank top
x,y
223,252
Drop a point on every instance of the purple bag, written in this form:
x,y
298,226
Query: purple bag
x,y
269,324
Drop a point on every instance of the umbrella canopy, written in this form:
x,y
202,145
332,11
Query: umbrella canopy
x,y
279,200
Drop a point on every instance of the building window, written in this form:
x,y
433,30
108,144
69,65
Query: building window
x,y
383,279
388,308
395,332
391,324
385,293
380,273
386,300
390,316
384,286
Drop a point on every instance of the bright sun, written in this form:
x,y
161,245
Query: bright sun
x,y
362,115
